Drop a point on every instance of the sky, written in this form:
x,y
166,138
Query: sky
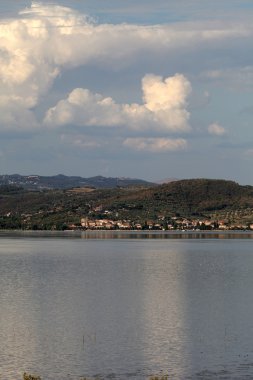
x,y
120,88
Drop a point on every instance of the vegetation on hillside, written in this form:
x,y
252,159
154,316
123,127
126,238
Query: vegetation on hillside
x,y
57,209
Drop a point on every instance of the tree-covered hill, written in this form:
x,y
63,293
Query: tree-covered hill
x,y
186,198
200,198
201,195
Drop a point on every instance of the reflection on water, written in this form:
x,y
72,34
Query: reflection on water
x,y
128,234
165,235
126,308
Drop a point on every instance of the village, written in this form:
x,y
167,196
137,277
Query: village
x,y
175,224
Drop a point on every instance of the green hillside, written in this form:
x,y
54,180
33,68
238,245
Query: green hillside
x,y
196,198
202,197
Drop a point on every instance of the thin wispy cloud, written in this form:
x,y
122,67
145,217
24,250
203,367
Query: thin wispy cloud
x,y
155,145
216,129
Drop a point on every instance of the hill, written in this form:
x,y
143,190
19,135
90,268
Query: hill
x,y
60,181
196,198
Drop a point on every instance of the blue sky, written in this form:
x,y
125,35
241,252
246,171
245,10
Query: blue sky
x,y
123,88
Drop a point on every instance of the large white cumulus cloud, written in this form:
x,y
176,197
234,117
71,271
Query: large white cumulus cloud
x,y
163,108
47,39
167,100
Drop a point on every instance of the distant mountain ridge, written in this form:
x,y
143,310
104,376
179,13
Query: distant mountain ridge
x,y
60,181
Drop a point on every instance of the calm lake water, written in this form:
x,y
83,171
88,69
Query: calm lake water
x,y
126,306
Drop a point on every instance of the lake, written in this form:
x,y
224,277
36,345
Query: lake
x,y
126,305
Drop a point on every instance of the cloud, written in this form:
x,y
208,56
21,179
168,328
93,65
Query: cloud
x,y
216,129
81,141
83,108
155,145
164,107
45,40
167,100
236,78
15,117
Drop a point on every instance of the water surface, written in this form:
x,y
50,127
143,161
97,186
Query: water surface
x,y
126,308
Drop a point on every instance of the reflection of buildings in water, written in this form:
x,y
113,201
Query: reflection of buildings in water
x,y
162,235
